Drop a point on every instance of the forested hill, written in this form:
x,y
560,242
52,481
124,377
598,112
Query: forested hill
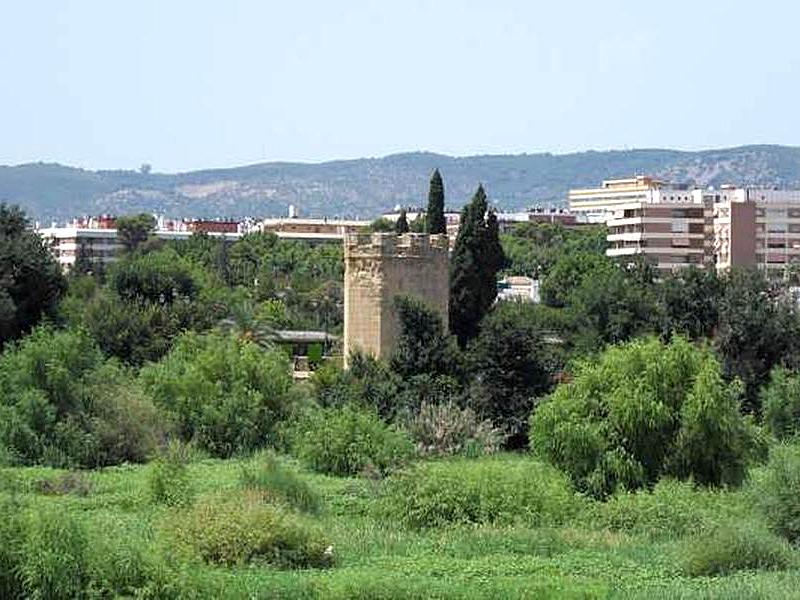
x,y
365,187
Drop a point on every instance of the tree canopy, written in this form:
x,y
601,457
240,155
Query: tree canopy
x,y
31,282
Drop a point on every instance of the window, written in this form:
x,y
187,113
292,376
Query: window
x,y
680,227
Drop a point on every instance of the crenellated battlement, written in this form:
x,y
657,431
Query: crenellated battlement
x,y
387,245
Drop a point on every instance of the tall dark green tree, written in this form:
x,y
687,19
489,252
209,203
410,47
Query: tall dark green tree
x,y
401,226
435,216
31,281
477,258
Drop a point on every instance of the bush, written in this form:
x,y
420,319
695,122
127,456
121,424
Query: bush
x,y
54,556
442,429
225,394
234,529
488,490
777,494
274,479
642,411
125,422
65,405
168,480
780,400
673,509
730,548
368,382
349,440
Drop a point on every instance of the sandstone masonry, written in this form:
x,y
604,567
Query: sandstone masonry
x,y
381,266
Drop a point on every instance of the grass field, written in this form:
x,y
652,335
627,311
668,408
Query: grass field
x,y
518,534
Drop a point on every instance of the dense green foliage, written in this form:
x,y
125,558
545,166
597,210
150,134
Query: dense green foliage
x,y
533,249
777,494
780,399
234,529
510,366
736,547
225,394
63,403
642,411
759,328
423,346
348,440
436,494
31,282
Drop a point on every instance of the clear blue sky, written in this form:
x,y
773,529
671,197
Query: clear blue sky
x,y
191,84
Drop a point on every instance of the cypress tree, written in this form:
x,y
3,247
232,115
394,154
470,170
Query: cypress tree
x,y
401,226
435,216
494,260
477,258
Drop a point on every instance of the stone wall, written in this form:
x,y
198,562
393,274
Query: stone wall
x,y
381,266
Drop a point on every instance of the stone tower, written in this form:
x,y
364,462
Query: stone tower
x,y
380,266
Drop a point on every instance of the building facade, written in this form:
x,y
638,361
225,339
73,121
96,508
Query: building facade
x,y
672,226
380,267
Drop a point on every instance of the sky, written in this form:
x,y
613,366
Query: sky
x,y
184,85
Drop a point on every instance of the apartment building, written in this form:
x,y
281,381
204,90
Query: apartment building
x,y
673,226
667,235
596,204
100,245
669,224
758,227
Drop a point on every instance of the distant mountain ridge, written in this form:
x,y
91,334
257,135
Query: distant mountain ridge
x,y
368,186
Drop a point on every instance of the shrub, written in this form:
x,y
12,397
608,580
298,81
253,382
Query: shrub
x,y
730,548
442,429
488,490
227,395
65,405
642,411
233,529
125,423
777,494
54,557
168,480
347,440
673,509
780,400
368,382
273,478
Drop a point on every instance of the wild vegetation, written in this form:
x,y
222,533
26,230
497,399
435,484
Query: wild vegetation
x,y
630,437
